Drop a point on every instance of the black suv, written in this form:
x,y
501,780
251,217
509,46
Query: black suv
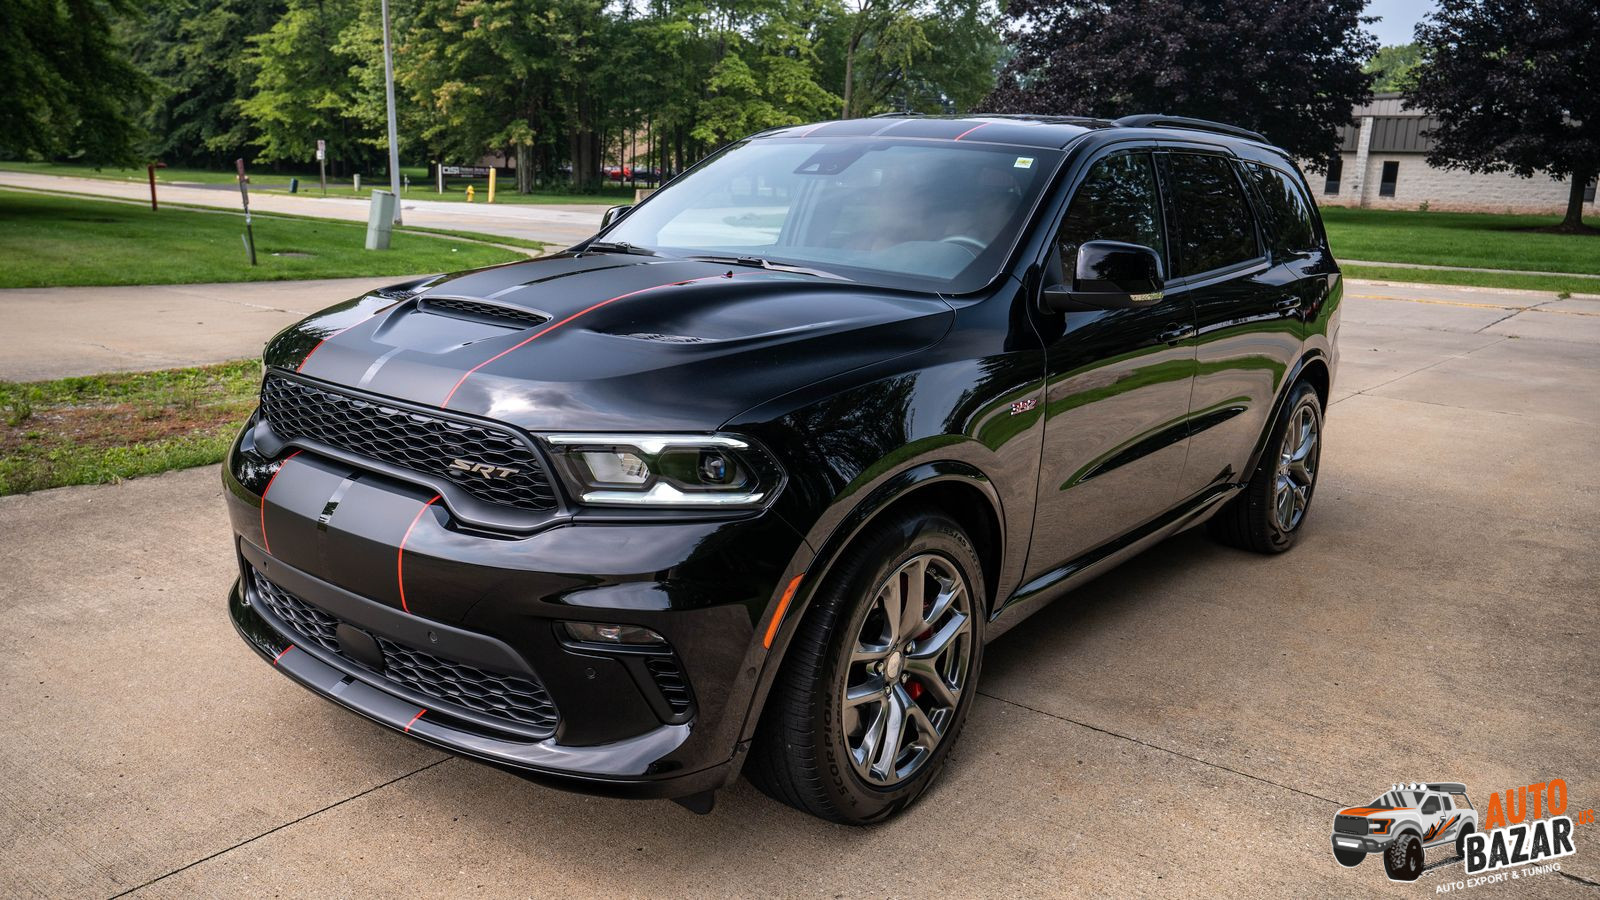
x,y
745,482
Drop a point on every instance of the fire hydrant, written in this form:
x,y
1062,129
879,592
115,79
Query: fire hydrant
x,y
469,193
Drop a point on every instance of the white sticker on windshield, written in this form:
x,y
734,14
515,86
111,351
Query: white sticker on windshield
x,y
1024,162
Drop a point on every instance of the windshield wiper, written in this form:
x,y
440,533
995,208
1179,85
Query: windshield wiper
x,y
756,262
617,247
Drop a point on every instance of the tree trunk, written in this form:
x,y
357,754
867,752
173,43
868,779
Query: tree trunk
x,y
524,169
849,73
1574,217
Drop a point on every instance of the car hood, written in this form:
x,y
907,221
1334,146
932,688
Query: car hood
x,y
607,341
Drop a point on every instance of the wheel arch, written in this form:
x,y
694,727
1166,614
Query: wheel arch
x,y
1312,367
957,488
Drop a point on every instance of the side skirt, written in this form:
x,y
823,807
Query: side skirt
x,y
1038,593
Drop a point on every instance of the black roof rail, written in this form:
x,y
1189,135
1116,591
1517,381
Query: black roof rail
x,y
1155,120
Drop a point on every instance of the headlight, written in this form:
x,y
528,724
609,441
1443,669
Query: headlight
x,y
1380,826
715,471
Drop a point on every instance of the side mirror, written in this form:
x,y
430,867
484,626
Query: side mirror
x,y
1109,275
612,215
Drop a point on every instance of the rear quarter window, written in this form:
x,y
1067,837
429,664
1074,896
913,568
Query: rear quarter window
x,y
1285,207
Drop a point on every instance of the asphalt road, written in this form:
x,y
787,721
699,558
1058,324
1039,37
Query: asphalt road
x,y
1186,726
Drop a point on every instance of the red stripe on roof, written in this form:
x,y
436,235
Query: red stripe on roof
x,y
971,130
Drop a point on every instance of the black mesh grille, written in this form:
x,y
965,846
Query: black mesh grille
x,y
669,678
310,623
411,440
448,305
517,698
1350,824
506,696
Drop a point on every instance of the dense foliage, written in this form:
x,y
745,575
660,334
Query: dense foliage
x,y
1288,69
1391,67
559,86
68,84
1515,86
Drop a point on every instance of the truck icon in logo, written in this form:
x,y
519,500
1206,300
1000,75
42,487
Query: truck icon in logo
x,y
1403,822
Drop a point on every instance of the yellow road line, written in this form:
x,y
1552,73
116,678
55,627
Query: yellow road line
x,y
1540,309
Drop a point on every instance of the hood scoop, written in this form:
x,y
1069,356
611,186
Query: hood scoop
x,y
482,311
668,338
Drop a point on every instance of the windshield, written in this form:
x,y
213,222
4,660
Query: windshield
x,y
933,215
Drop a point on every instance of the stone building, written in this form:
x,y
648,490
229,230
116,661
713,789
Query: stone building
x,y
1383,164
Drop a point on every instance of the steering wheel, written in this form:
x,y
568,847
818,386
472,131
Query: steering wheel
x,y
968,243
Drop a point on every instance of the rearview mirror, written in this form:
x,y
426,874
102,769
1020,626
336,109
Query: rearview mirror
x,y
1109,275
612,215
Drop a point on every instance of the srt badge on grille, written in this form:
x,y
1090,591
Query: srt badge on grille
x,y
484,469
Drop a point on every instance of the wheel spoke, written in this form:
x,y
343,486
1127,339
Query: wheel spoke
x,y
951,593
932,680
928,732
868,652
914,588
892,600
894,732
937,643
873,737
866,692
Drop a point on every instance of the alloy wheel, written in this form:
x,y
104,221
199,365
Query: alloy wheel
x,y
907,670
1297,468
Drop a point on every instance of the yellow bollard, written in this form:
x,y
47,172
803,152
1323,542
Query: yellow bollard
x,y
491,185
469,193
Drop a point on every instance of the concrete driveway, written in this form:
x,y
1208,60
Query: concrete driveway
x,y
1186,726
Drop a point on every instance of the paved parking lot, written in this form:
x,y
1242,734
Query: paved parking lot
x,y
1185,726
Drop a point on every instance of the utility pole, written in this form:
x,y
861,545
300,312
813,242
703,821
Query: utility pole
x,y
394,137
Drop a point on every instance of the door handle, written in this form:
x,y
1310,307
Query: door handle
x,y
1287,304
1176,333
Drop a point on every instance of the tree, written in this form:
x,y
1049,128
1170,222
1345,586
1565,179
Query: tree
x,y
69,86
935,56
1391,67
1514,86
1289,70
303,90
196,52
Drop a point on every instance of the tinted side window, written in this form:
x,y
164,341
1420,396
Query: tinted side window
x,y
1288,212
1215,228
1116,202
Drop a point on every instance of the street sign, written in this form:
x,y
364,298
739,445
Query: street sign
x,y
465,171
322,150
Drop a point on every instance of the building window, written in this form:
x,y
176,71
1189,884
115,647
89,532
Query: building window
x,y
1391,173
1335,170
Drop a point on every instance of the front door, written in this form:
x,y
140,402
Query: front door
x,y
1117,388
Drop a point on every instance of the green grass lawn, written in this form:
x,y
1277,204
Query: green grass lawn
x,y
109,427
48,241
267,181
1459,239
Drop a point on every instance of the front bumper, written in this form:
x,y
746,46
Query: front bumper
x,y
360,551
1361,843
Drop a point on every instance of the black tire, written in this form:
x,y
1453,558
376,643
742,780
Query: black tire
x,y
1348,858
1461,840
801,754
1403,860
1251,521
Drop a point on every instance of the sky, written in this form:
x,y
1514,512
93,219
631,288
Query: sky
x,y
1398,18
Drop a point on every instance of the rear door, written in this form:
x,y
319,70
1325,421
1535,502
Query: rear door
x,y
1245,308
